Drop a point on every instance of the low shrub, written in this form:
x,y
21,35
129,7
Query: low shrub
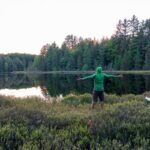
x,y
76,100
123,123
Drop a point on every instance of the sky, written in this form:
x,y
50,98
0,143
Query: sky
x,y
27,25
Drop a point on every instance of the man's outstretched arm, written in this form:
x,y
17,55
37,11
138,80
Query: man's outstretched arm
x,y
87,77
113,76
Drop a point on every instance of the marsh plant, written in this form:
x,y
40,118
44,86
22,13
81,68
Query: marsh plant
x,y
31,123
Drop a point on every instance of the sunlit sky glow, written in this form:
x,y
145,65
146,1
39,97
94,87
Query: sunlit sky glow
x,y
27,25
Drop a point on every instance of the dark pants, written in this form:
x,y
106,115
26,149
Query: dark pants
x,y
97,94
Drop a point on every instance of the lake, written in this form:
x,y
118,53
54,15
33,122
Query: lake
x,y
52,85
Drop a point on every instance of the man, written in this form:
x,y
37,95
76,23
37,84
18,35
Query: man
x,y
98,91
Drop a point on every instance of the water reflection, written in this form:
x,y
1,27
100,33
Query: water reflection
x,y
51,85
27,92
40,92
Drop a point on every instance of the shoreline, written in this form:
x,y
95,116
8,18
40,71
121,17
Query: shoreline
x,y
83,72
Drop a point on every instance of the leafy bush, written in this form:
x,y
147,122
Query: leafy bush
x,y
77,100
71,100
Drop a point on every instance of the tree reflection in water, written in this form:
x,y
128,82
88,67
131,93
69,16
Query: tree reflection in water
x,y
56,85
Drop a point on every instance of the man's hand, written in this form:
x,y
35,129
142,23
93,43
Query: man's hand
x,y
120,76
78,79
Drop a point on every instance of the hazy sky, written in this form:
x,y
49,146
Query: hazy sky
x,y
27,25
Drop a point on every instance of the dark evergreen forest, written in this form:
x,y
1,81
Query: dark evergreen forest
x,y
15,62
127,49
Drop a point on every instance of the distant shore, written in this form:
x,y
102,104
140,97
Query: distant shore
x,y
84,72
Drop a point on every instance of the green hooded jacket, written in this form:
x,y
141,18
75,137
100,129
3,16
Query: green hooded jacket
x,y
98,79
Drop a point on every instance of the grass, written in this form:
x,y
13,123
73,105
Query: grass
x,y
31,123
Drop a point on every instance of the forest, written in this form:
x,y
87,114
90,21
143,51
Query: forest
x,y
15,62
127,49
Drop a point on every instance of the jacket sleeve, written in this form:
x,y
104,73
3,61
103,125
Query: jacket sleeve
x,y
88,77
110,76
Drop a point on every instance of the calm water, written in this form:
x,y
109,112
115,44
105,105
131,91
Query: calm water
x,y
51,85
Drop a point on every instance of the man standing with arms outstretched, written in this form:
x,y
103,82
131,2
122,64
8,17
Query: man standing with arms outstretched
x,y
98,90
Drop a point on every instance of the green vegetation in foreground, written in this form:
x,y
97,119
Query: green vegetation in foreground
x,y
31,124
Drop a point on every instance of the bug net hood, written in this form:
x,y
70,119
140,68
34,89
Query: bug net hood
x,y
98,70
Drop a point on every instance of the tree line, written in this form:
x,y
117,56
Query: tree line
x,y
15,62
127,49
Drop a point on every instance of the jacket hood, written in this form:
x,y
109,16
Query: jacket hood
x,y
98,70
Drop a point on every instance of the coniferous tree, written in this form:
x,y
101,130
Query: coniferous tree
x,y
147,58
